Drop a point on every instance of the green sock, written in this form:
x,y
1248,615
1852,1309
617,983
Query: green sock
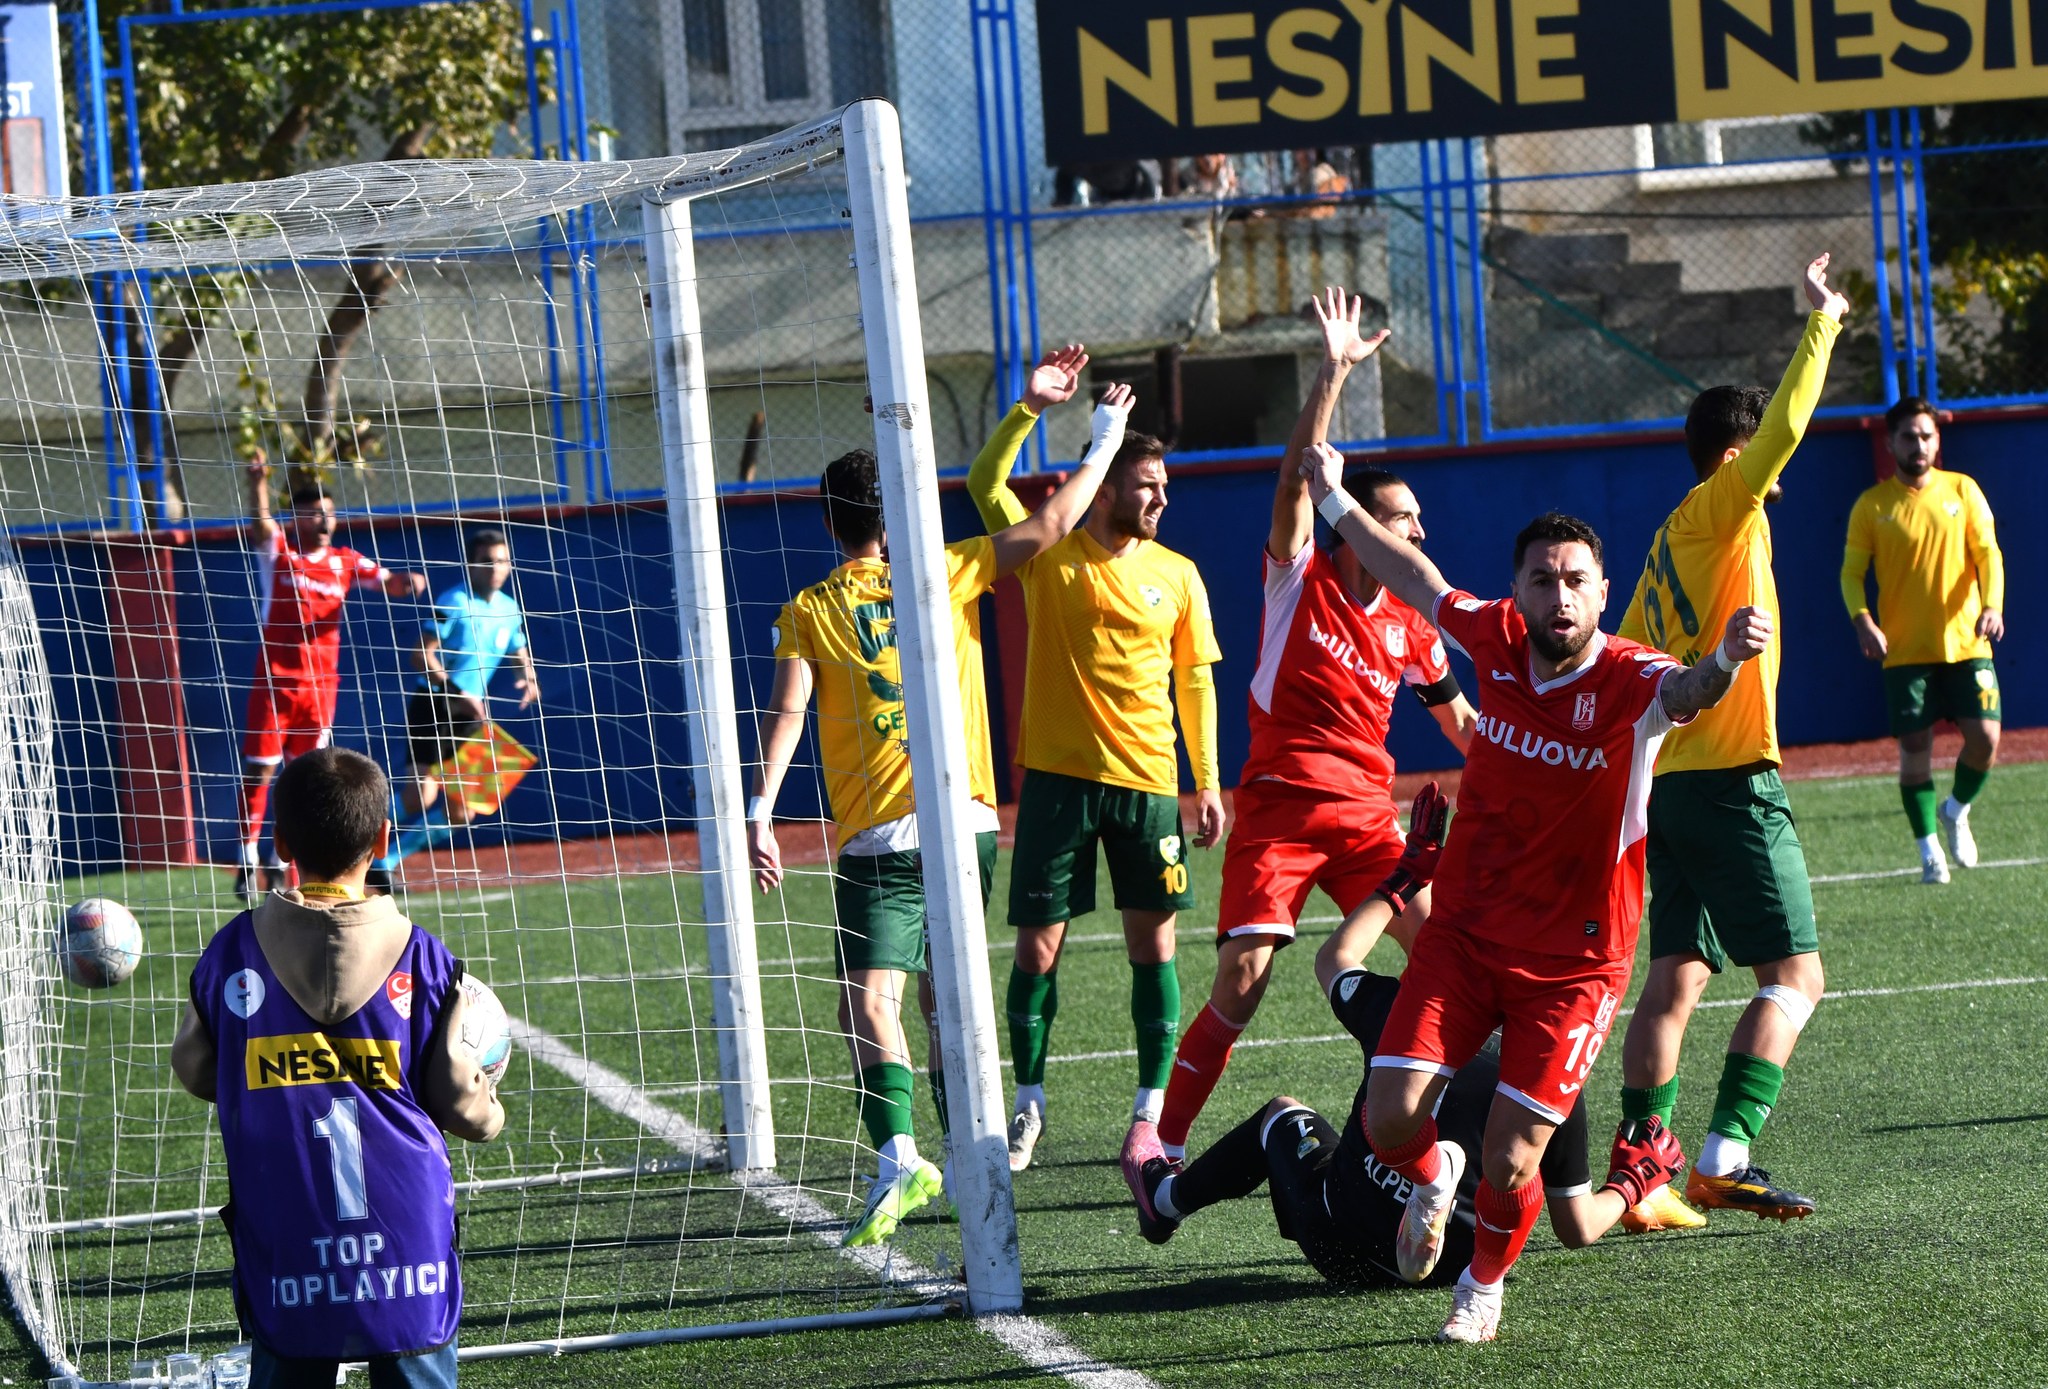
x,y
885,1101
1969,781
1638,1104
1155,1014
1033,1002
1748,1094
1919,807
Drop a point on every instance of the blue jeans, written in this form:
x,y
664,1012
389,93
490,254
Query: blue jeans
x,y
435,1369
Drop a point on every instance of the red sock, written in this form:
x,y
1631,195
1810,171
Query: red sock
x,y
1416,1159
255,803
1197,1066
1505,1220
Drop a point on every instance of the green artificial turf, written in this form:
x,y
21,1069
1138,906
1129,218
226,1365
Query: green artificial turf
x,y
1915,1116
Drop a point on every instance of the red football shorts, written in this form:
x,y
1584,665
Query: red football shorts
x,y
1288,839
1553,1013
287,718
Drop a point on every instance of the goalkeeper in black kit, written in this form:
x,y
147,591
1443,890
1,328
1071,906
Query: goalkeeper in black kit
x,y
1330,1195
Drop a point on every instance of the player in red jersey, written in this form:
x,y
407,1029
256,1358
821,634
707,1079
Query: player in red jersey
x,y
1315,801
1540,890
304,580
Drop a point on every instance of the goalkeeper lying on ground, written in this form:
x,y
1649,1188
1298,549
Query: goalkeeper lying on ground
x,y
1330,1195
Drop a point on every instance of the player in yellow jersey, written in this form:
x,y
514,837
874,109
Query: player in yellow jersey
x,y
837,640
1728,879
1940,605
1120,635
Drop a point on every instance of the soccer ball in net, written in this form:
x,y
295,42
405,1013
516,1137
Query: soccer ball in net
x,y
100,943
486,1031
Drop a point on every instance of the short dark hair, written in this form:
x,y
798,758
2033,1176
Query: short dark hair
x,y
309,493
1723,418
852,492
1365,481
1135,449
1556,528
483,540
330,803
1906,409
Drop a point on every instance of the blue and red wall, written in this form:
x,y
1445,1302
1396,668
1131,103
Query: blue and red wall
x,y
599,592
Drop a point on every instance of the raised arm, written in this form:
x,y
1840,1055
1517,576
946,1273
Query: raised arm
x,y
782,726
1387,557
1019,544
256,482
1792,405
1343,349
1052,382
1685,692
1457,720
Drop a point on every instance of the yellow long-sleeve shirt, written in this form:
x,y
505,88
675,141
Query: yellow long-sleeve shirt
x,y
1938,567
1108,633
1712,556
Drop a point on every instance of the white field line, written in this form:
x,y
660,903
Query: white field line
x,y
1910,872
1031,1340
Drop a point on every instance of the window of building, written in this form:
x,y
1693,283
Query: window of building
x,y
1707,154
741,69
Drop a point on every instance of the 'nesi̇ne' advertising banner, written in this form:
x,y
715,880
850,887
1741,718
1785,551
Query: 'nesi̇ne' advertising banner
x,y
1146,78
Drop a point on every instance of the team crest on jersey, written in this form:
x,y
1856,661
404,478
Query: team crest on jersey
x,y
1169,848
1153,597
398,988
1953,508
1397,641
1582,712
243,993
1468,605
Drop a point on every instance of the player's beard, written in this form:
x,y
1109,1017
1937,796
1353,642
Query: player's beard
x,y
1557,650
1128,518
1913,466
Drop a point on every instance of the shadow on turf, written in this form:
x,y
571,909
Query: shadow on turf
x,y
1964,1123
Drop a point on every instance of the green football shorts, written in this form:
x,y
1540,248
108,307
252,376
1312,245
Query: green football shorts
x,y
1060,819
1727,875
880,898
1918,697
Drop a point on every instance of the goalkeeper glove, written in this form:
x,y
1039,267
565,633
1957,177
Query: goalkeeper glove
x,y
1643,1160
1427,818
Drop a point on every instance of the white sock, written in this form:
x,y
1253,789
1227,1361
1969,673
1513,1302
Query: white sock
x,y
898,1154
1148,1104
250,858
1930,848
1030,1097
1466,1280
1175,1152
1721,1156
1953,809
1440,1190
1162,1200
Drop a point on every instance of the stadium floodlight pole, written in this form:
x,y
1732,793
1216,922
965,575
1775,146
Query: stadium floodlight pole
x,y
894,338
690,475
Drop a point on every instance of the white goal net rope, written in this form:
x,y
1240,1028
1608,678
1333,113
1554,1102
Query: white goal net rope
x,y
447,347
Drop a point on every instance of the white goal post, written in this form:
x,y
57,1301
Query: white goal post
x,y
603,988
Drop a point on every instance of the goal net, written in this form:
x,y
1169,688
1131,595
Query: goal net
x,y
633,373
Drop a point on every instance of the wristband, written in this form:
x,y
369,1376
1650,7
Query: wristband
x,y
1336,506
1721,660
758,812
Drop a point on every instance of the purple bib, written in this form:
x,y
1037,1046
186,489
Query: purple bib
x,y
342,1207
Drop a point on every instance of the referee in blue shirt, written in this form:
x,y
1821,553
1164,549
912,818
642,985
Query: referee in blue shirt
x,y
476,627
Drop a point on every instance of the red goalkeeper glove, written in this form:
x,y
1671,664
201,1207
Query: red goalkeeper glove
x,y
1645,1161
1426,821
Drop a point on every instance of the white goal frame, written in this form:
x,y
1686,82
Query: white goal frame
x,y
86,237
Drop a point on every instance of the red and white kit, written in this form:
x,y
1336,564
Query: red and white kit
x,y
1538,896
1315,801
298,669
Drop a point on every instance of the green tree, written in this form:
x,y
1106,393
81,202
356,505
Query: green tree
x,y
243,100
1987,235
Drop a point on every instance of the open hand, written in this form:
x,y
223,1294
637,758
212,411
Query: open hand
x,y
1749,632
764,854
1991,624
1870,637
1826,300
1055,379
1342,341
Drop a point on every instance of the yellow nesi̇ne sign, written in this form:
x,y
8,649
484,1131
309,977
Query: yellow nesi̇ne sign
x,y
314,1058
1157,78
